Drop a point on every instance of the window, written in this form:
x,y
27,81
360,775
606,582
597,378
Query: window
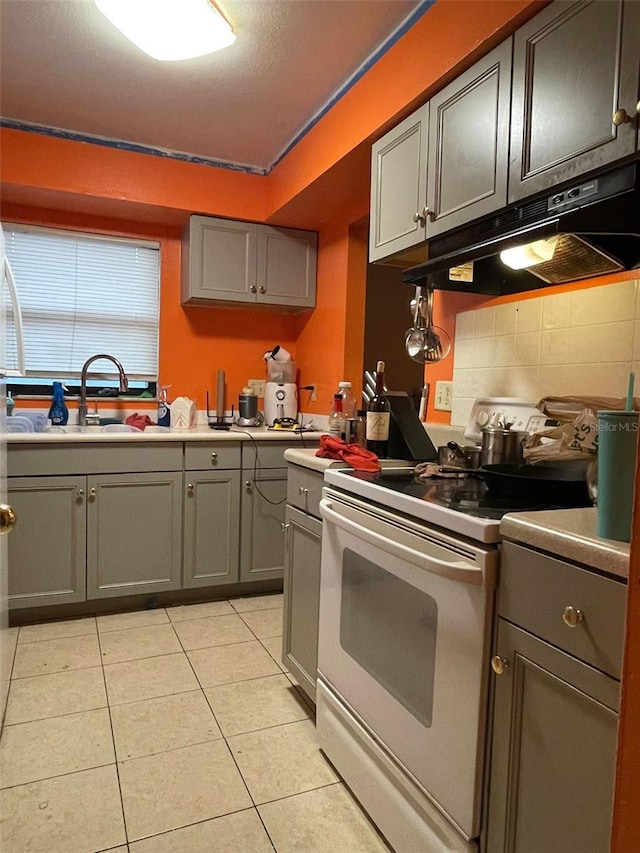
x,y
83,294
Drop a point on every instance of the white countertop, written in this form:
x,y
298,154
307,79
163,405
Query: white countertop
x,y
306,458
155,434
569,533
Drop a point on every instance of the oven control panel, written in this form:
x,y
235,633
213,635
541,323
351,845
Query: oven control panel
x,y
522,416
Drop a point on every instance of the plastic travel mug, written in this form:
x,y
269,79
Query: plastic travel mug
x,y
617,442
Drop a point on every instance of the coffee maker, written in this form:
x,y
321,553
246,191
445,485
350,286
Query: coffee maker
x,y
281,390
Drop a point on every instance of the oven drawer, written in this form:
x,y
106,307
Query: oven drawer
x,y
536,590
304,489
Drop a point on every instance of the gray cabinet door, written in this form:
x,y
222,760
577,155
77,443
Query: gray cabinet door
x,y
286,267
575,64
211,528
47,546
553,750
219,260
469,143
399,187
264,493
134,533
302,597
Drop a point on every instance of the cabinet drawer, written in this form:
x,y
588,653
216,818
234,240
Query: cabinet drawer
x,y
270,454
304,489
91,458
535,590
211,455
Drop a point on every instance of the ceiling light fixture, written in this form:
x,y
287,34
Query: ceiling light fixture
x,y
522,257
170,29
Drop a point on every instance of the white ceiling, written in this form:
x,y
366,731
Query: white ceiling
x,y
63,65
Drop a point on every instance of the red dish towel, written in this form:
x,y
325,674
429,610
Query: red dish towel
x,y
139,421
352,454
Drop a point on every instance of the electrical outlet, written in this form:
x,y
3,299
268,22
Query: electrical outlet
x,y
443,396
257,386
312,395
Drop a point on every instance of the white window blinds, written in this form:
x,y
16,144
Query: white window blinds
x,y
82,294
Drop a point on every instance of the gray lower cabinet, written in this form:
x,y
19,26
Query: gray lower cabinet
x,y
211,528
575,65
264,492
46,550
555,710
225,260
302,597
134,533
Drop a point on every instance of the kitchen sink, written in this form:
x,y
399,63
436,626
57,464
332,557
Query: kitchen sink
x,y
90,430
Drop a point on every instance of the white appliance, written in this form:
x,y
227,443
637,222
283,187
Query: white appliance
x,y
280,401
405,628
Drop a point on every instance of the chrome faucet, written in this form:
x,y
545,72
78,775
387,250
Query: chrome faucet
x,y
124,383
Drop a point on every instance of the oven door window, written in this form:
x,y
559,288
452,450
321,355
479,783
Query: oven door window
x,y
389,628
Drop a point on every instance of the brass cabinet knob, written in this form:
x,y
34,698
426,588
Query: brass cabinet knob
x,y
638,108
80,493
572,617
214,457
7,519
190,488
303,492
262,289
422,216
622,117
92,493
247,484
498,664
253,288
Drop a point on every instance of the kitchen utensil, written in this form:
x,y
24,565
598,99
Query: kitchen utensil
x,y
425,342
501,446
455,456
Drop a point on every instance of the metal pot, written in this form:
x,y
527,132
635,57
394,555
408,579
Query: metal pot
x,y
501,446
454,456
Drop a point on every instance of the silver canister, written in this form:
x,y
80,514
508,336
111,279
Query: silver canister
x,y
501,446
453,455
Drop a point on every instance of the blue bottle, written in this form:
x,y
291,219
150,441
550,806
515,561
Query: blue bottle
x,y
58,413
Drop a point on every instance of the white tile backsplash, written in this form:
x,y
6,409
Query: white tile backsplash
x,y
529,316
485,323
582,342
465,325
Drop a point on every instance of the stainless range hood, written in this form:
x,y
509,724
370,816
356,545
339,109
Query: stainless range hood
x,y
596,223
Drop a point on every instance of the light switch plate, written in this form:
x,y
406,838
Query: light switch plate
x,y
443,396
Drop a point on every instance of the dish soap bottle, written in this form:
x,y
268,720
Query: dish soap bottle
x,y
58,413
164,412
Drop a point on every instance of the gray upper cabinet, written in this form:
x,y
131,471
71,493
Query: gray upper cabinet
x,y
399,187
211,528
134,533
575,65
468,143
47,547
241,262
286,267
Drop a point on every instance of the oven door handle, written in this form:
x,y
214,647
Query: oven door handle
x,y
459,571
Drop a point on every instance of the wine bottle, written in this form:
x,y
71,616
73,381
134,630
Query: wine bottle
x,y
378,417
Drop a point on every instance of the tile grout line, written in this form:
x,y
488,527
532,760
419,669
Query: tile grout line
x,y
115,750
222,735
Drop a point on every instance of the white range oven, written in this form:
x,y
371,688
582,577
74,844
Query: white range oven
x,y
406,606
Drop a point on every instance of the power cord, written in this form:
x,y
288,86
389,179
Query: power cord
x,y
255,464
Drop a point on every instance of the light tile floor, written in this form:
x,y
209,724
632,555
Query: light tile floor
x,y
174,730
